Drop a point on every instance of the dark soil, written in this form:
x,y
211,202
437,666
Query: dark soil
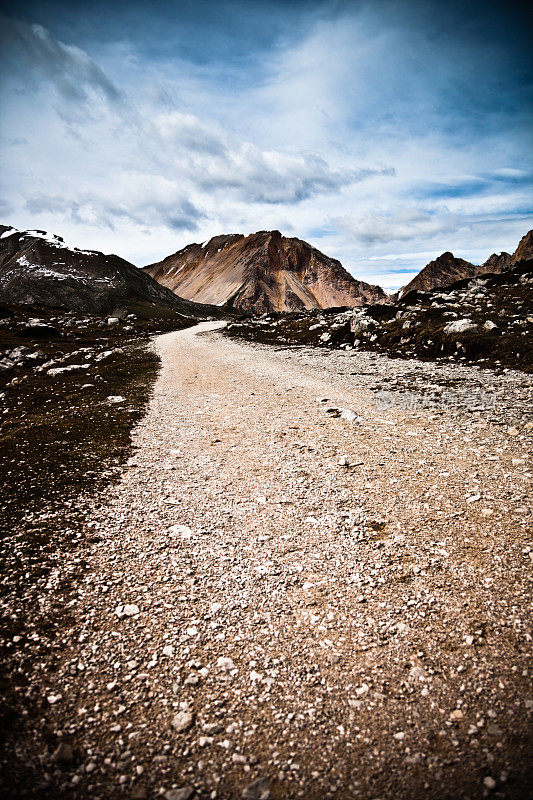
x,y
60,445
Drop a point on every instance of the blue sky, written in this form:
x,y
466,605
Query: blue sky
x,y
382,132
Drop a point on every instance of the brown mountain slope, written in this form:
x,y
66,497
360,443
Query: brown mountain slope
x,y
443,271
260,273
446,269
524,249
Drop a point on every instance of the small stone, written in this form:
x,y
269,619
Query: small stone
x,y
130,610
343,461
417,674
185,793
460,326
182,721
349,415
63,754
257,790
181,530
225,664
212,727
489,783
457,715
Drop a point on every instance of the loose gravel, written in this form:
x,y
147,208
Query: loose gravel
x,y
280,599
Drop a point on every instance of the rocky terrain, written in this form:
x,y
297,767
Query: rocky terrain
x,y
38,269
312,580
287,559
260,273
486,320
447,269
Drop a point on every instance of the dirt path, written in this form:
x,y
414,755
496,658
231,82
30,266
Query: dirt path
x,y
330,607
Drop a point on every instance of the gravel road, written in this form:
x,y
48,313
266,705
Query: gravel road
x,y
301,588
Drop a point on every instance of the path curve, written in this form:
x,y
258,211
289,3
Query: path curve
x,y
286,596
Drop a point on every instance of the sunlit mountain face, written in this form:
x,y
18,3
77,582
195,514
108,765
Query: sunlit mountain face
x,y
382,133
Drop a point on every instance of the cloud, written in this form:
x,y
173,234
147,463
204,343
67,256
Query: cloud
x,y
215,161
383,132
74,75
401,224
133,197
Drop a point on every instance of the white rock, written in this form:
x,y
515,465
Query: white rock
x,y
417,674
182,721
349,415
460,326
54,698
225,664
181,530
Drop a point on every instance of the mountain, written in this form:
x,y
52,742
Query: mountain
x,y
443,271
484,319
524,250
261,273
498,262
38,269
446,269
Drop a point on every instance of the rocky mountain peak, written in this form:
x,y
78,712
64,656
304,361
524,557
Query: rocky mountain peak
x,y
443,271
447,269
524,249
262,272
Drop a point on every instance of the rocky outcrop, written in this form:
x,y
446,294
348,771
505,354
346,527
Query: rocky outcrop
x,y
484,319
498,262
38,269
443,271
524,250
260,273
446,269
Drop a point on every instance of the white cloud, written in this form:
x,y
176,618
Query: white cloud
x,y
344,136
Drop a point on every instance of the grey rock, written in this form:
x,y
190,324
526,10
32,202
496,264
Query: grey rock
x,y
258,790
185,793
182,721
460,326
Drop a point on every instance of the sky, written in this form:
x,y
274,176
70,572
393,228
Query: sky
x,y
383,132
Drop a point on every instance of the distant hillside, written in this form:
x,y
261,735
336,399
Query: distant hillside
x,y
260,273
446,269
38,269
